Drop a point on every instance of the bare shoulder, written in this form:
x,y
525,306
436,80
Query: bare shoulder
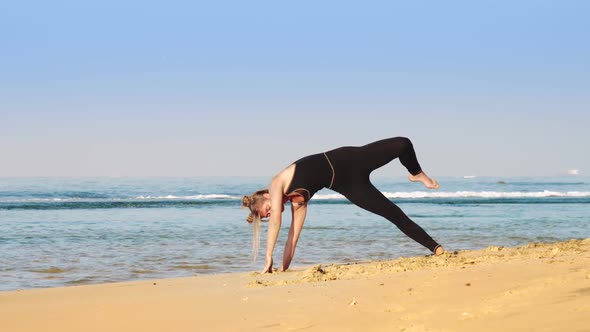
x,y
283,178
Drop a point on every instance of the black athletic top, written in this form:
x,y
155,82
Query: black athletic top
x,y
312,173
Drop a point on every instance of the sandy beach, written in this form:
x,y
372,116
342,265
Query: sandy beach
x,y
537,287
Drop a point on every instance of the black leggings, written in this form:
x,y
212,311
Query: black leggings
x,y
352,167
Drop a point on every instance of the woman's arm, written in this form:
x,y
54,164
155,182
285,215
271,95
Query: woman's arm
x,y
298,213
274,224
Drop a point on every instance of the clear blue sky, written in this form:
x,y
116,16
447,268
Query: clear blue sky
x,y
140,88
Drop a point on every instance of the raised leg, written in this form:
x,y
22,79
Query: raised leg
x,y
381,152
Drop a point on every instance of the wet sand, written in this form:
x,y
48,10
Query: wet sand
x,y
537,287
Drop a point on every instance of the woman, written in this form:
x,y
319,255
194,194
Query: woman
x,y
345,170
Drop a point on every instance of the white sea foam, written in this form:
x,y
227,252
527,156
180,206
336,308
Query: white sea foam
x,y
335,196
141,197
40,200
192,197
469,194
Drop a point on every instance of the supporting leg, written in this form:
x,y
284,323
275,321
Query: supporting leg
x,y
366,196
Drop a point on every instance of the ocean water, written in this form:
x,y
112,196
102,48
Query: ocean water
x,y
71,231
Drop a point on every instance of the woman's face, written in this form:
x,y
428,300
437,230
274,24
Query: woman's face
x,y
264,209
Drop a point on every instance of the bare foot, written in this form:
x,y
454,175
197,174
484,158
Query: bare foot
x,y
426,181
439,251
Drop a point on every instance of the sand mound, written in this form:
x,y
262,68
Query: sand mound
x,y
463,259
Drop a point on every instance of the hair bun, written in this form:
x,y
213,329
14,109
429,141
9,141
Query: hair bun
x,y
246,200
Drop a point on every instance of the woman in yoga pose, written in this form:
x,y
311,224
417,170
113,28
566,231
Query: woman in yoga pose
x,y
345,170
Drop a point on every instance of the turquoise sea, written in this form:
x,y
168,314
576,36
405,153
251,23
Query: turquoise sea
x,y
71,231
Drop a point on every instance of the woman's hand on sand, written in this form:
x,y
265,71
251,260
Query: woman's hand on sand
x,y
267,266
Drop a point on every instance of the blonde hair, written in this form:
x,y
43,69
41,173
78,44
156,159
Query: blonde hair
x,y
251,202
